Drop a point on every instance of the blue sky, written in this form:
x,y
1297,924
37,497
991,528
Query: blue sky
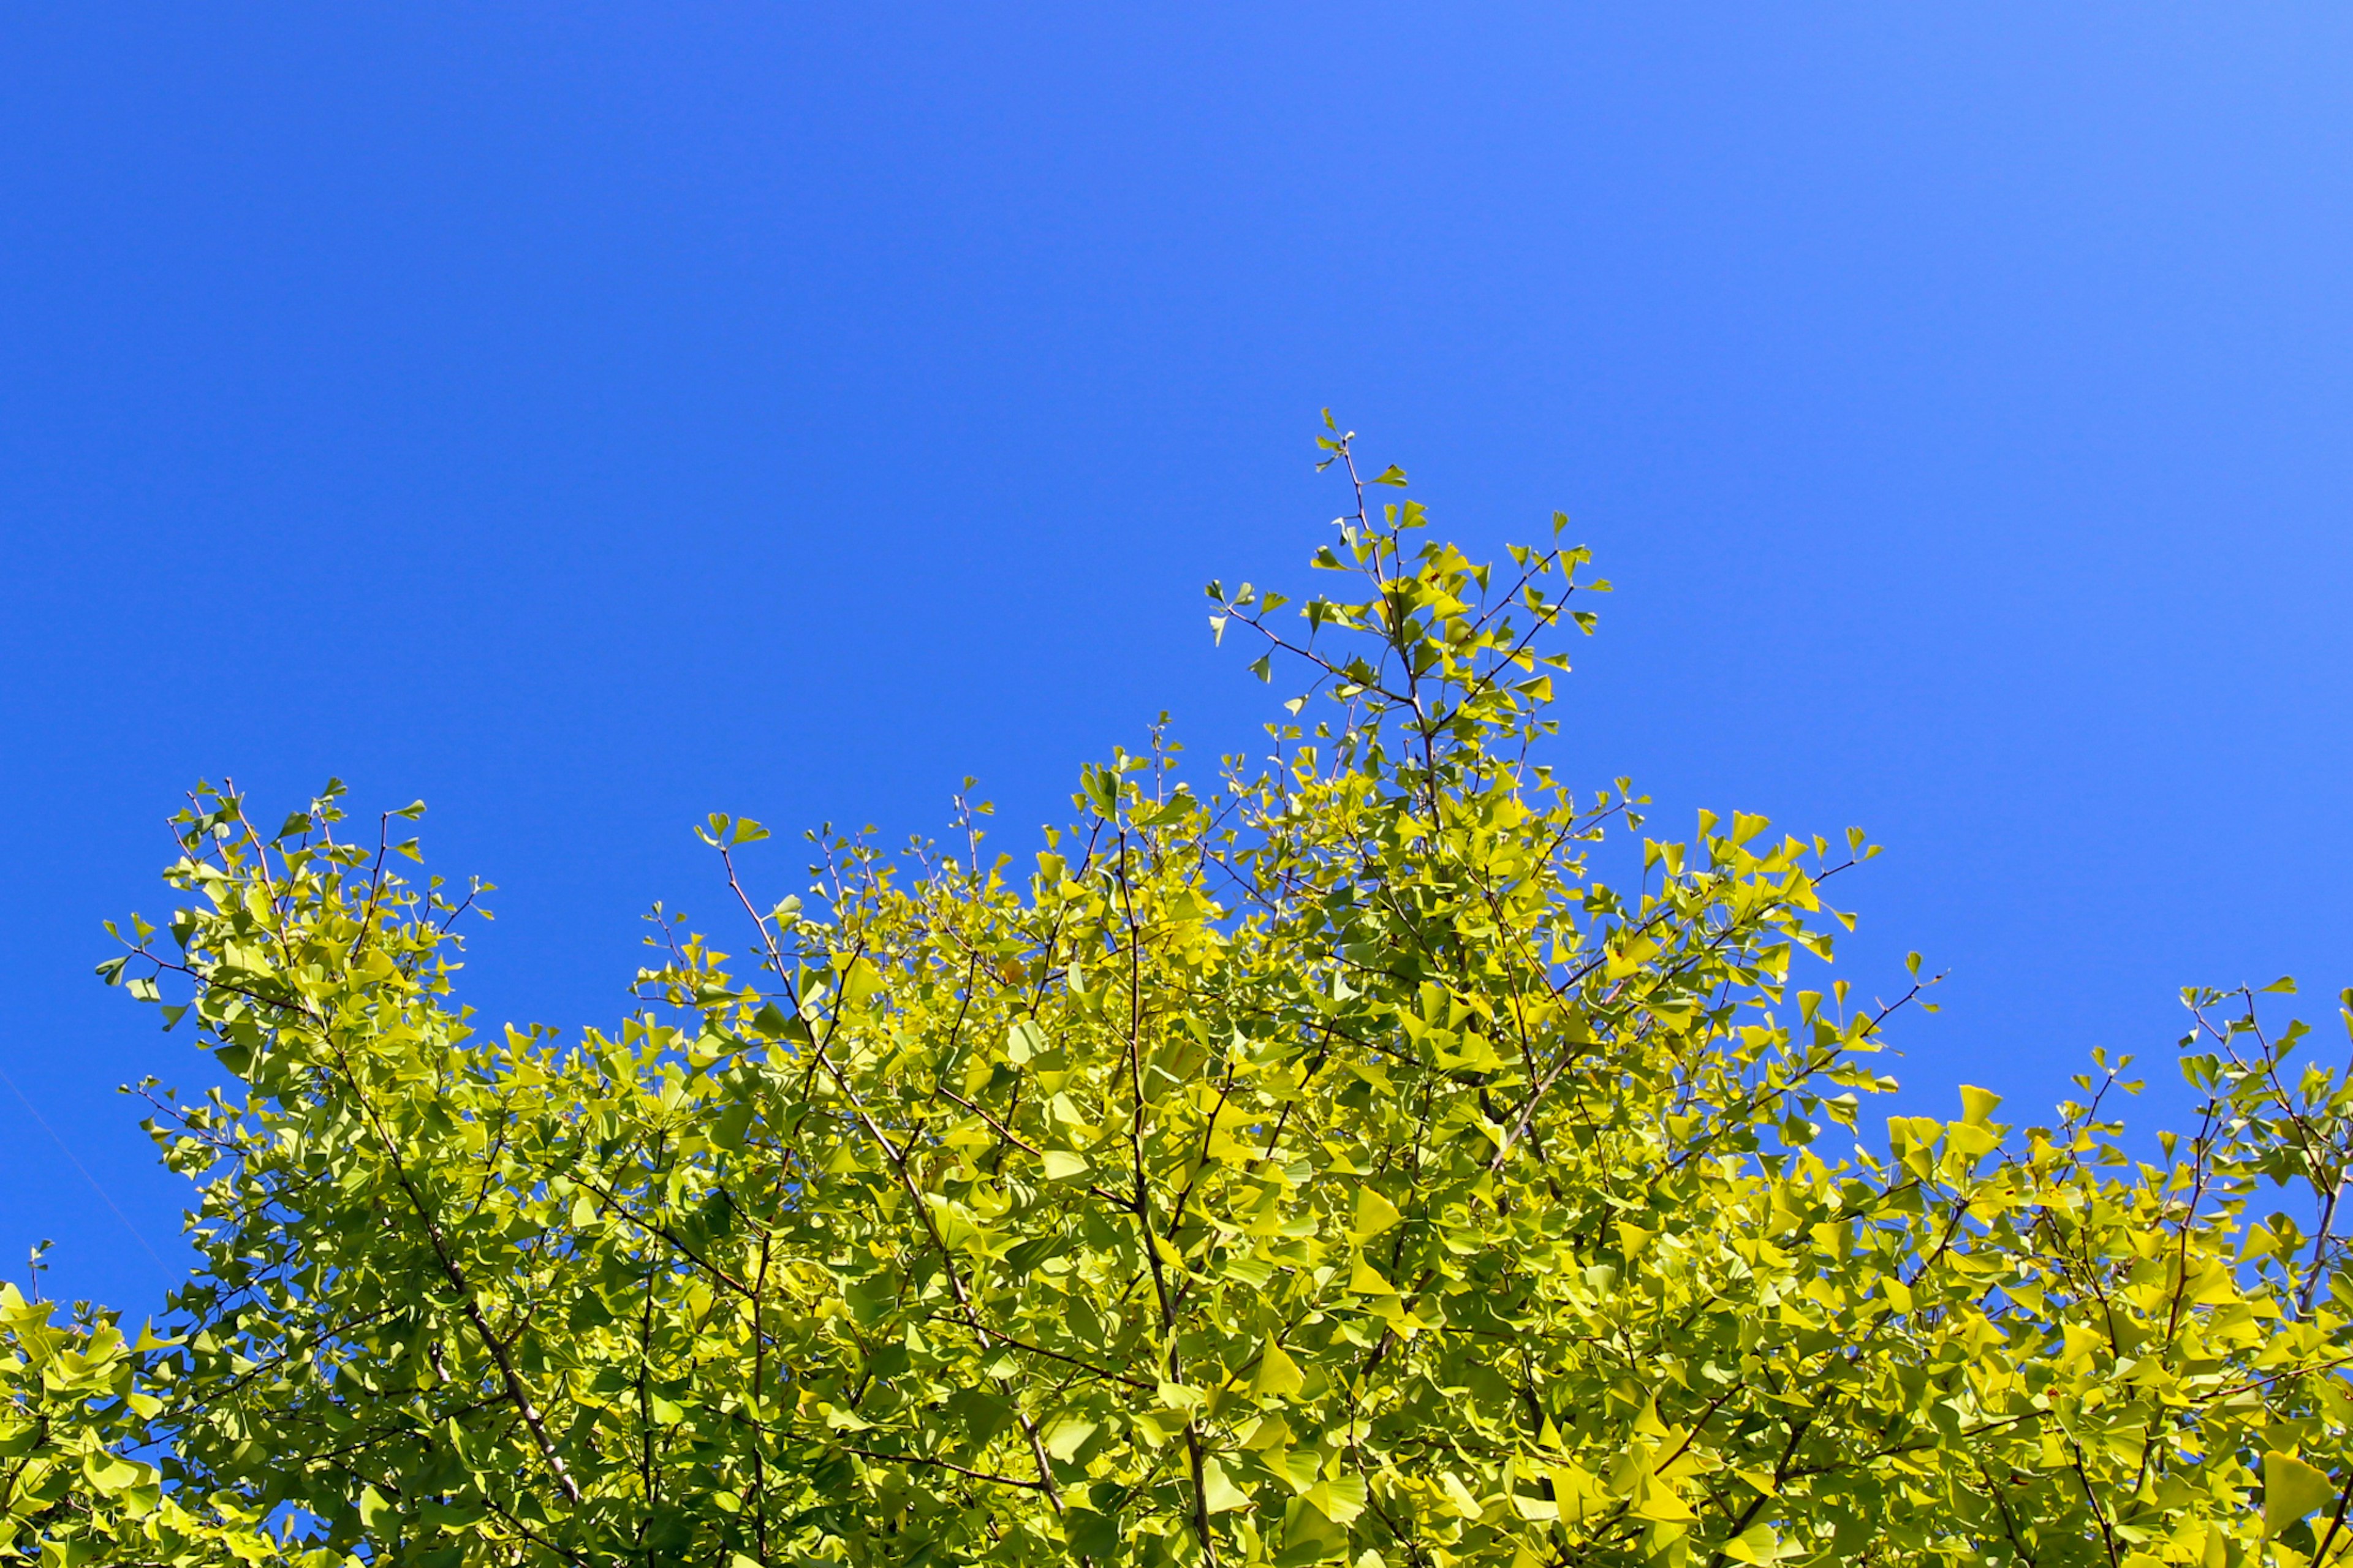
x,y
586,417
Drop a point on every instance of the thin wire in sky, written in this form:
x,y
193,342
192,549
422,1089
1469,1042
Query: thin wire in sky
x,y
104,1196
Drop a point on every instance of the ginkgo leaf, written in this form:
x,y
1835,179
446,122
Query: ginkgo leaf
x,y
1339,1501
1375,1213
1758,1543
1661,1503
1279,1376
2292,1489
1067,1433
1219,1493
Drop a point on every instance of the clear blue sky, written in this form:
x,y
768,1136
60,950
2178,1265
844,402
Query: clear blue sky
x,y
589,417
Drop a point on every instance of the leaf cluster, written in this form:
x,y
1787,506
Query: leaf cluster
x,y
1332,1166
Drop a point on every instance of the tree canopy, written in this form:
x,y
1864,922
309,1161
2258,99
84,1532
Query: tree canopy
x,y
1321,1163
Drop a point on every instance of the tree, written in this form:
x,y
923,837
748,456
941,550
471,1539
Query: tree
x,y
1330,1166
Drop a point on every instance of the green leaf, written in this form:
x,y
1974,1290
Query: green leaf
x,y
1093,1536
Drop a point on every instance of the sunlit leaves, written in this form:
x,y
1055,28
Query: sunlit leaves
x,y
1342,1163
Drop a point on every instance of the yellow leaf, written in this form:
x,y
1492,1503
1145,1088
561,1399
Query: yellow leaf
x,y
1061,1164
1576,1490
1267,1432
2292,1488
1340,1501
1968,1140
1662,1505
1299,1468
1278,1374
1375,1213
1066,1433
860,981
1219,1493
1366,1281
108,1474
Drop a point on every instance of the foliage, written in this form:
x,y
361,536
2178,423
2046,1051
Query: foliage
x,y
71,1423
1330,1167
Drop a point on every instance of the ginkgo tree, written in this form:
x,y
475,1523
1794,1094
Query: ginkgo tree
x,y
1321,1162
